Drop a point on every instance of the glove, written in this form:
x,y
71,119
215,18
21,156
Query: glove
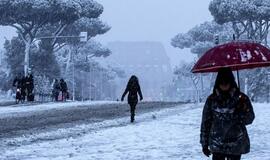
x,y
242,106
122,99
141,98
206,151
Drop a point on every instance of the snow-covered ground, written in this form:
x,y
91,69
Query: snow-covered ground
x,y
28,107
6,97
166,134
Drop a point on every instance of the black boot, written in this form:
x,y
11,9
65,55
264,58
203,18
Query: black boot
x,y
132,113
132,118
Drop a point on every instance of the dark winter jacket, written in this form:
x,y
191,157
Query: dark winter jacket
x,y
29,82
63,86
133,89
56,88
19,82
224,121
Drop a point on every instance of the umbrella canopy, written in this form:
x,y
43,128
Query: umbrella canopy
x,y
235,55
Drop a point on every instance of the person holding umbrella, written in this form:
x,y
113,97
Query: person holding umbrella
x,y
227,110
226,113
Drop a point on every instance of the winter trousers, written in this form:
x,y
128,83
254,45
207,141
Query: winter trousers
x,y
132,111
56,94
219,156
64,95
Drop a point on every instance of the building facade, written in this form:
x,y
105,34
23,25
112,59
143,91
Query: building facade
x,y
148,61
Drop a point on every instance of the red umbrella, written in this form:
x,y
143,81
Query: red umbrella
x,y
235,55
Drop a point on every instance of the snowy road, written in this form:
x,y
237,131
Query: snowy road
x,y
171,133
22,119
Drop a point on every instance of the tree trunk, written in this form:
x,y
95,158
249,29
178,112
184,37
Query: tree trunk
x,y
26,57
197,91
236,30
69,60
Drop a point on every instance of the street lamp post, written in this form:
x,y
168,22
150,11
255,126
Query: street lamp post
x,y
202,86
246,86
73,78
90,81
83,38
90,77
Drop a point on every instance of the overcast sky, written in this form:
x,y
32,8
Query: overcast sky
x,y
148,20
154,20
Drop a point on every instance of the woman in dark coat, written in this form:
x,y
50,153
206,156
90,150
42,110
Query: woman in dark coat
x,y
19,83
29,85
64,89
56,89
133,89
226,113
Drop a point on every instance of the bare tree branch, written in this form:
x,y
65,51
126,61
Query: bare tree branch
x,y
57,47
58,32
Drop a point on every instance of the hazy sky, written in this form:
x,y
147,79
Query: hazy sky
x,y
154,20
148,20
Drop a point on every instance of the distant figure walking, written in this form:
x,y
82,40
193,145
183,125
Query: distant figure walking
x,y
225,115
56,89
29,86
63,89
19,83
133,89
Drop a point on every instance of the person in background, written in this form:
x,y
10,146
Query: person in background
x,y
226,113
29,86
19,83
63,89
56,89
133,89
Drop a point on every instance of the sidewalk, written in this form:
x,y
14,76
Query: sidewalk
x,y
173,134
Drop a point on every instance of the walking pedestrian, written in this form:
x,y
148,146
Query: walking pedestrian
x,y
63,89
133,89
226,113
56,89
29,86
19,83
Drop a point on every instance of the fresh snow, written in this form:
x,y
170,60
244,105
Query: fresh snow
x,y
166,134
28,107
